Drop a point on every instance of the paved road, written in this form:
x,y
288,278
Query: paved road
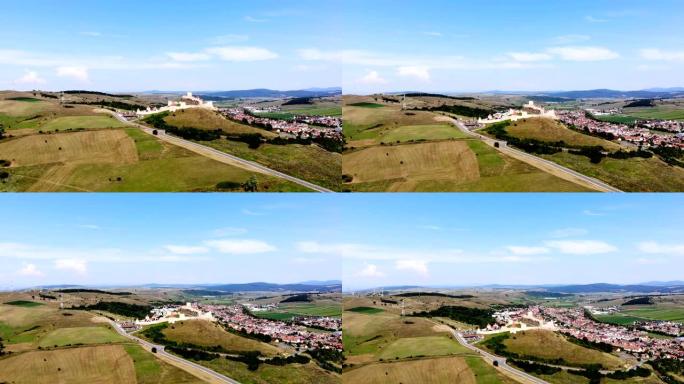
x,y
538,162
189,366
223,157
520,375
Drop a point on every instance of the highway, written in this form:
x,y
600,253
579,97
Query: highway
x,y
488,357
543,164
222,156
189,366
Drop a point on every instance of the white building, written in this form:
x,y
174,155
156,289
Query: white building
x,y
527,111
186,102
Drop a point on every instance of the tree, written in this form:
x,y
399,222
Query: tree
x,y
2,347
2,131
251,185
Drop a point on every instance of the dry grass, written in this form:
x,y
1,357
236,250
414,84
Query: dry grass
x,y
426,371
92,365
552,131
210,334
410,165
205,119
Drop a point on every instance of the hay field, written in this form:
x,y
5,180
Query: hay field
x,y
210,334
121,160
81,122
426,371
87,365
80,335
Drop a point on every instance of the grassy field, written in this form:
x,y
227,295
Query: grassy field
x,y
270,374
632,175
205,119
86,365
618,319
485,373
81,122
552,131
287,311
24,303
116,160
80,335
422,346
366,310
658,112
422,132
657,313
149,370
308,162
210,334
551,345
289,112
366,105
618,119
426,371
463,165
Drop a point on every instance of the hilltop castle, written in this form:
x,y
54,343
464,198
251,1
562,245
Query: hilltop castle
x,y
186,102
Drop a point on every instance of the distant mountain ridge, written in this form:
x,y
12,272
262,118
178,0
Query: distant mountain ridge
x,y
308,286
649,287
263,93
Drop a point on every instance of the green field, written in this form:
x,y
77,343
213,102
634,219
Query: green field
x,y
422,132
422,346
80,335
658,112
289,114
286,312
618,119
365,310
307,162
366,105
618,319
149,370
24,303
631,175
657,313
269,374
81,122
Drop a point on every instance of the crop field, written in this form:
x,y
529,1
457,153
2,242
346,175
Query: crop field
x,y
102,364
80,335
422,346
205,119
116,160
618,319
462,165
658,112
422,132
289,112
206,333
307,162
631,175
445,370
287,311
81,122
267,374
550,345
618,119
658,313
552,131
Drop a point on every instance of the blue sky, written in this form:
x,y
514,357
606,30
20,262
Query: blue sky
x,y
128,45
163,238
453,45
368,240
479,239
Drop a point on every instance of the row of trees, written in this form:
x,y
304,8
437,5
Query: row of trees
x,y
124,309
474,316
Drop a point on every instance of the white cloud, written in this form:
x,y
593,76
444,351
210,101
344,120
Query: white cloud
x,y
593,19
76,265
255,19
188,57
370,270
30,270
421,73
650,261
570,39
655,54
578,53
654,247
30,77
589,212
530,56
372,77
78,73
185,250
568,232
89,226
241,246
240,53
522,250
313,54
417,266
249,212
581,247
